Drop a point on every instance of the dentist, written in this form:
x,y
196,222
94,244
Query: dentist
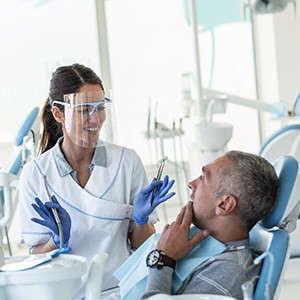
x,y
99,189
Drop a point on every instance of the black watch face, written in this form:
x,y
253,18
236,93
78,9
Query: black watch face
x,y
153,258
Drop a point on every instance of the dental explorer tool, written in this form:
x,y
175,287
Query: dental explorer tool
x,y
158,177
56,216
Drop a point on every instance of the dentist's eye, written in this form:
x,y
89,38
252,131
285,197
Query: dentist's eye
x,y
100,107
84,109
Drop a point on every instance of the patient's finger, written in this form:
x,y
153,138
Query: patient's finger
x,y
198,237
188,215
180,216
167,226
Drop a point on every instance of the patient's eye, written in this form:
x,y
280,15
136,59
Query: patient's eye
x,y
202,176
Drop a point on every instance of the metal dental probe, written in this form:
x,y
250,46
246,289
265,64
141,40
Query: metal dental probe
x,y
55,213
158,177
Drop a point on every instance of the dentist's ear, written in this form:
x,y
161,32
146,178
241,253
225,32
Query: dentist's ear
x,y
226,205
58,115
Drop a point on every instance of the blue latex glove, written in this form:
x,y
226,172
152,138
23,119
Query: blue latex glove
x,y
48,220
141,209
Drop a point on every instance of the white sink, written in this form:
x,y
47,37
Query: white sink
x,y
214,136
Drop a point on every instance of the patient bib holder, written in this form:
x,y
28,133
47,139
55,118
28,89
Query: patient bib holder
x,y
235,248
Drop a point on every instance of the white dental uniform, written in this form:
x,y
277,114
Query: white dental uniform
x,y
101,212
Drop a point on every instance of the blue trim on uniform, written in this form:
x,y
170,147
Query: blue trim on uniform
x,y
90,215
64,169
38,168
116,174
81,211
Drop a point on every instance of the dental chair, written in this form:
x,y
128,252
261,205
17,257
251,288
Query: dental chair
x,y
25,144
270,238
285,141
28,132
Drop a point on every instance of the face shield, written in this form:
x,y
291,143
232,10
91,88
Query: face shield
x,y
84,115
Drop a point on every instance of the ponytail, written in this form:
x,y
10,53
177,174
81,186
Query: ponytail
x,y
52,130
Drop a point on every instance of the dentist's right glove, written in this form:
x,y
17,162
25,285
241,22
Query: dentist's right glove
x,y
142,208
48,220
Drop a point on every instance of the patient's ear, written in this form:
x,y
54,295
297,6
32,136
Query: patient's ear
x,y
226,205
58,115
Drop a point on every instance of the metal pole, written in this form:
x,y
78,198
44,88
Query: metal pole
x,y
110,134
200,106
256,76
103,43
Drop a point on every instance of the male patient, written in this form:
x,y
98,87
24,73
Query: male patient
x,y
233,193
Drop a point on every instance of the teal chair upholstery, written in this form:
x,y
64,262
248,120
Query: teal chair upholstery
x,y
270,235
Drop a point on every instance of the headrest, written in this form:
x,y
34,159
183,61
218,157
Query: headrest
x,y
276,135
26,126
286,168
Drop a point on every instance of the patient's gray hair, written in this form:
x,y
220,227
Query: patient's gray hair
x,y
253,181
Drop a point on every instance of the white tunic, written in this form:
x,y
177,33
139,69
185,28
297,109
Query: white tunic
x,y
101,212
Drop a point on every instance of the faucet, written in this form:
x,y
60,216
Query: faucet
x,y
215,105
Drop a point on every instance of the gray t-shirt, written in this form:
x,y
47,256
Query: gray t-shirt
x,y
222,274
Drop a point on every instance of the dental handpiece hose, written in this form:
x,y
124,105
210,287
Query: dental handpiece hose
x,y
158,177
56,216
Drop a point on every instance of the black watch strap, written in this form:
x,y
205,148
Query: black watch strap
x,y
167,261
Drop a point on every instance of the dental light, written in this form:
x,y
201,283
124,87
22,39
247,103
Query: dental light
x,y
271,6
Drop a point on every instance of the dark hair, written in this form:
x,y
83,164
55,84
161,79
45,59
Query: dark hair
x,y
65,80
253,181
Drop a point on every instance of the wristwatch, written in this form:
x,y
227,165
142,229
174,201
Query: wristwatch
x,y
158,259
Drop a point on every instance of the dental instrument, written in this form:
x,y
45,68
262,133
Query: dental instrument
x,y
21,263
158,177
176,164
56,216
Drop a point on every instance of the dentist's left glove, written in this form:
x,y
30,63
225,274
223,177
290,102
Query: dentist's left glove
x,y
141,208
48,220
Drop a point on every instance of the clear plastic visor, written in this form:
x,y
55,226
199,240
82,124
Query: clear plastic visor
x,y
84,115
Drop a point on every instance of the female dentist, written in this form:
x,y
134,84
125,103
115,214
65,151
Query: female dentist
x,y
98,189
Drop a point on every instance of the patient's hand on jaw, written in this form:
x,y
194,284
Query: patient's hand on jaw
x,y
175,241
